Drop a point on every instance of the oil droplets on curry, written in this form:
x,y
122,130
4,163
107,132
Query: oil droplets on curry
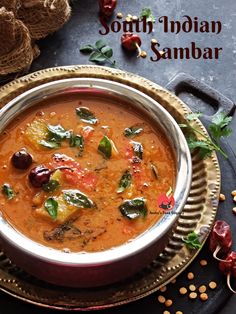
x,y
83,173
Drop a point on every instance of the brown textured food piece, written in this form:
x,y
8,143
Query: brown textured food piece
x,y
16,51
10,5
43,17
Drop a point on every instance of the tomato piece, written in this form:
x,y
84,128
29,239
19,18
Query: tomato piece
x,y
76,176
87,132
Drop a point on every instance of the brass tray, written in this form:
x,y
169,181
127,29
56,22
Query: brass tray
x,y
198,214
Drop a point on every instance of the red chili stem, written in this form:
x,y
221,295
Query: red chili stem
x,y
218,248
229,284
139,50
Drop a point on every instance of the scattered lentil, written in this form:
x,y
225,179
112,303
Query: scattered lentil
x,y
143,54
183,290
192,288
168,303
193,295
234,199
163,289
233,193
134,18
166,312
173,281
203,296
119,15
161,299
190,276
222,197
154,41
234,210
178,312
203,262
202,289
212,285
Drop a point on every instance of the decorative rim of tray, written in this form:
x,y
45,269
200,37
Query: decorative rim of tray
x,y
198,214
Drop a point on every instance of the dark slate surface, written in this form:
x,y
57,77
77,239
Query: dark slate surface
x,y
62,48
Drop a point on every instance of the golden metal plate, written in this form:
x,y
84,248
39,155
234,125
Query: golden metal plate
x,y
198,214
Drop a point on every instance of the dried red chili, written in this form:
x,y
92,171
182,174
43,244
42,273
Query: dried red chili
x,y
220,239
131,42
107,7
228,267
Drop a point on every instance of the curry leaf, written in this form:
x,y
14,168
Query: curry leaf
x,y
97,56
107,51
138,149
77,141
78,199
58,132
51,205
132,131
51,186
125,181
100,44
99,53
192,241
219,126
8,191
105,147
147,12
50,144
193,116
86,49
86,115
133,209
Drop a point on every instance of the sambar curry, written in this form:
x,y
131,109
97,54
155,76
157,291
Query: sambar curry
x,y
83,173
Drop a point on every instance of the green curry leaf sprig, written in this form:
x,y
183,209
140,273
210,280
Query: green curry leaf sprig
x,y
206,145
100,53
147,12
8,191
192,241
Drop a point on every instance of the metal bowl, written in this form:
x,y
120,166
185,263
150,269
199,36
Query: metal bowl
x,y
99,268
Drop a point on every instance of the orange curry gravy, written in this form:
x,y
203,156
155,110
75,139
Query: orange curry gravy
x,y
97,176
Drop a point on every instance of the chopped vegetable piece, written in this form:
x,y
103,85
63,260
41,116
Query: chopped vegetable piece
x,y
86,115
134,208
78,199
36,132
79,177
125,181
8,191
51,186
105,147
132,131
192,241
51,205
64,210
137,149
78,142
